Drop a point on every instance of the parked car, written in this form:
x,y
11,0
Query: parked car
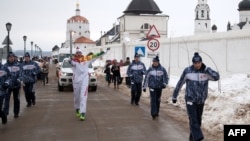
x,y
65,74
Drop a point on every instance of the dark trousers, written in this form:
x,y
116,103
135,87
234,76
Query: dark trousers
x,y
136,89
108,78
116,79
44,78
29,93
155,100
16,98
1,105
194,112
128,83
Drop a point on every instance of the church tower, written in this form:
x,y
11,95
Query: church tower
x,y
202,18
77,32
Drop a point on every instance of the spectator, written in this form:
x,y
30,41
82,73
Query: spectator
x,y
127,79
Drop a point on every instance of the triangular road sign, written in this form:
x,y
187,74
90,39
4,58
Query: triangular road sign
x,y
153,32
5,41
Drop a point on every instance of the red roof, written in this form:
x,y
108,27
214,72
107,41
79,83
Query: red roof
x,y
83,39
78,19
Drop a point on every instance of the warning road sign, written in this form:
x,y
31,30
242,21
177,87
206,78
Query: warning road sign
x,y
153,32
153,44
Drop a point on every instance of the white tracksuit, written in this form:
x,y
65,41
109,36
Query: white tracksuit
x,y
80,84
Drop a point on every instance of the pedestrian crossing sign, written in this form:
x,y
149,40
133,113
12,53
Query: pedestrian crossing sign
x,y
140,50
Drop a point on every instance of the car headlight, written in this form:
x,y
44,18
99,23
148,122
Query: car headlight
x,y
92,74
63,73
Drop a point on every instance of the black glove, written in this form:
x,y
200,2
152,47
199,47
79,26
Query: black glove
x,y
203,66
174,100
164,86
108,48
144,90
6,85
33,73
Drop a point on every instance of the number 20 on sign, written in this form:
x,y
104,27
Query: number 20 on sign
x,y
153,44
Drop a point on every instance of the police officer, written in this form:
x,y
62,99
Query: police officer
x,y
156,79
30,69
4,84
15,84
135,71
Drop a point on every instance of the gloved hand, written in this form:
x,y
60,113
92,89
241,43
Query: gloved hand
x,y
108,48
33,73
6,85
203,66
144,90
164,85
19,81
174,100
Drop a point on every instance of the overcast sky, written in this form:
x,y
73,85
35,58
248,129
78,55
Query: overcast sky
x,y
44,21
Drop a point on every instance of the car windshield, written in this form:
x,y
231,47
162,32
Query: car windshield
x,y
66,64
62,56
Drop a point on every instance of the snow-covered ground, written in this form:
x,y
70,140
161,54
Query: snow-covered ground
x,y
231,105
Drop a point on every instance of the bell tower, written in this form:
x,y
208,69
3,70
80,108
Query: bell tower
x,y
202,18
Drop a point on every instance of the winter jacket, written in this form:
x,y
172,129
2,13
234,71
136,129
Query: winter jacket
x,y
135,71
196,83
4,74
45,67
15,73
29,72
156,77
115,69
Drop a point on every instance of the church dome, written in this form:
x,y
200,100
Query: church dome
x,y
142,7
78,18
244,5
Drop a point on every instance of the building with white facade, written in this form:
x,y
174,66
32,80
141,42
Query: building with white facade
x,y
77,32
202,18
136,22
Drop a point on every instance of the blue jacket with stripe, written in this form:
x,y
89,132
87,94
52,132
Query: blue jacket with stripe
x,y
156,77
135,71
15,73
29,71
196,84
4,74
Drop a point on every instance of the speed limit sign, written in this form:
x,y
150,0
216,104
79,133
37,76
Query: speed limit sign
x,y
153,44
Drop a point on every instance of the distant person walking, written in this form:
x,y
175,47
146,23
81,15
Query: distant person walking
x,y
81,79
115,69
127,79
30,70
135,71
196,78
108,71
45,71
156,79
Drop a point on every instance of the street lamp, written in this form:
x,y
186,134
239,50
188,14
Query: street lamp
x,y
24,39
8,27
35,50
31,43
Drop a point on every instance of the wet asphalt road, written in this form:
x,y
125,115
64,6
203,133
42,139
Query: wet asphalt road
x,y
110,117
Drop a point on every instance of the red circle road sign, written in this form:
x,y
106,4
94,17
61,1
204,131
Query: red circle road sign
x,y
153,44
